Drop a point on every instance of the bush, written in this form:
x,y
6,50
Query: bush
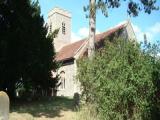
x,y
119,80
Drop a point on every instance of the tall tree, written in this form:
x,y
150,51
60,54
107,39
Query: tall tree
x,y
134,7
92,28
26,52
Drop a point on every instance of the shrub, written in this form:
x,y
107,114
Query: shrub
x,y
119,80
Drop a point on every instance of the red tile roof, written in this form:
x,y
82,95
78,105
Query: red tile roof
x,y
69,51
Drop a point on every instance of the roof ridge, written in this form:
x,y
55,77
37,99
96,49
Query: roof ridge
x,y
116,26
85,42
70,50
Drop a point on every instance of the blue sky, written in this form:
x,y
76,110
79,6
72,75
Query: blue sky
x,y
144,23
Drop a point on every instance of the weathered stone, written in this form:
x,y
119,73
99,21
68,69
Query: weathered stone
x,y
4,106
76,99
60,19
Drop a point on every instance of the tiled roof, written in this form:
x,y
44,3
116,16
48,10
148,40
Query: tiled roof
x,y
69,51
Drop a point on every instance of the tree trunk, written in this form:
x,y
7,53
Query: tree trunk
x,y
92,29
11,90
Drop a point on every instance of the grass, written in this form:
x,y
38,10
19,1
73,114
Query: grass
x,y
86,112
59,108
56,108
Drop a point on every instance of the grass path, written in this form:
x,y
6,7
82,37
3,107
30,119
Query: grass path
x,y
59,108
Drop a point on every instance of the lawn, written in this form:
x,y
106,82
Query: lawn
x,y
59,108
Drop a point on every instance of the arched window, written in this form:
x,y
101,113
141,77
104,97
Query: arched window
x,y
62,80
63,28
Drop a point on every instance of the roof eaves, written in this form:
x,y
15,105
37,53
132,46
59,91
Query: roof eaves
x,y
85,42
65,59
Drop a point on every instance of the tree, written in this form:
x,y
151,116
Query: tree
x,y
121,81
27,54
133,9
92,28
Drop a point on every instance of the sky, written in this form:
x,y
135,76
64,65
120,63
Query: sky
x,y
144,23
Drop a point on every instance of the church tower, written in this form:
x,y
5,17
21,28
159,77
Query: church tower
x,y
60,19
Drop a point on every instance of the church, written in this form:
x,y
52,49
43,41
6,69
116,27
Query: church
x,y
68,53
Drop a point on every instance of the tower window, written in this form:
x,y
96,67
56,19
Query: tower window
x,y
50,28
63,28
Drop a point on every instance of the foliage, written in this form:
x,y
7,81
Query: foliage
x,y
133,7
120,80
26,52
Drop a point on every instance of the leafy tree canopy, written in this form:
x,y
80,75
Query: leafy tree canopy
x,y
133,8
26,52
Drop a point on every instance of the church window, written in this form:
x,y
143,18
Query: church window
x,y
62,80
50,28
63,28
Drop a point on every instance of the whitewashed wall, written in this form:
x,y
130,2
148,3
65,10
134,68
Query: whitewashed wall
x,y
71,83
130,31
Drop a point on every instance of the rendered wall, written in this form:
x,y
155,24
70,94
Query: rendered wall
x,y
72,86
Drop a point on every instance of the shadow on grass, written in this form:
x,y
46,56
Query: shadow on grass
x,y
48,107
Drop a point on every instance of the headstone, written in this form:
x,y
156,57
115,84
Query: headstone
x,y
4,106
76,98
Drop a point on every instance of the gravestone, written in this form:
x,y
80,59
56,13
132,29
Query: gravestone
x,y
4,106
76,99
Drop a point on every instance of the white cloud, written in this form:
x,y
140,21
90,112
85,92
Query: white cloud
x,y
120,23
138,32
156,28
75,37
98,32
151,32
82,33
